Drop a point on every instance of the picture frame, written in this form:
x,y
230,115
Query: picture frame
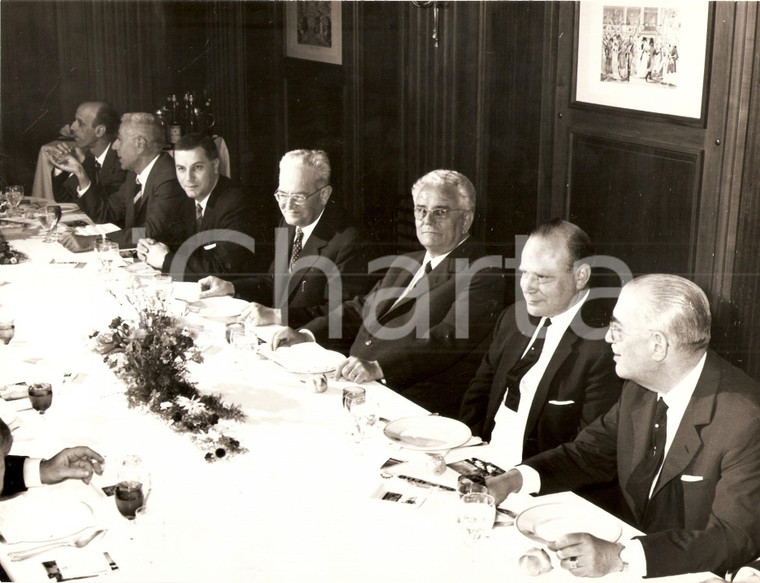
x,y
313,31
648,57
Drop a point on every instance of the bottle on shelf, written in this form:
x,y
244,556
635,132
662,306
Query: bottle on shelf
x,y
175,127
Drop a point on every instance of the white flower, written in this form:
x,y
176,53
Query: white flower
x,y
192,406
165,405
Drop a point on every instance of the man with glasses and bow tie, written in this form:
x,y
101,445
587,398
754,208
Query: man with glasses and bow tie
x,y
146,204
215,207
683,441
419,329
548,372
316,232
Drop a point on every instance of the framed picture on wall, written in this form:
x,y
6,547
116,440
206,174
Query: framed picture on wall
x,y
643,56
313,31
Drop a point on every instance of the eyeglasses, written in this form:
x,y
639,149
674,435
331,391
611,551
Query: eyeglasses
x,y
297,199
616,331
420,212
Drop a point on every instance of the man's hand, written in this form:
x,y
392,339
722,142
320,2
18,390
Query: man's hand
x,y
258,315
212,286
69,162
584,555
358,370
289,337
78,243
502,486
71,463
152,252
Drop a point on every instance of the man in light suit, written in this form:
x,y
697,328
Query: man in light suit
x,y
17,473
683,442
303,196
94,129
214,202
573,381
419,329
146,204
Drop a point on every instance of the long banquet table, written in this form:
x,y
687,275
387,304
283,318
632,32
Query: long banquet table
x,y
298,506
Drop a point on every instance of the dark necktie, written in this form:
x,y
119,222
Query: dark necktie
x,y
97,172
138,190
297,247
522,366
198,216
640,482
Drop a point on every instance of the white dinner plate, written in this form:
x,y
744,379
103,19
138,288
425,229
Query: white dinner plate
x,y
187,291
141,268
221,307
548,522
35,518
67,207
428,432
306,358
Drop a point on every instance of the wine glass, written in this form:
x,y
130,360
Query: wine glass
x,y
246,343
471,484
47,222
107,252
477,513
13,194
41,397
231,330
133,487
56,210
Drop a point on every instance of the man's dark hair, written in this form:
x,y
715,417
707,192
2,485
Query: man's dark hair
x,y
108,117
192,141
578,243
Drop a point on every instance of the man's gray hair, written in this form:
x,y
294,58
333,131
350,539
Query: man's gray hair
x,y
461,184
678,307
316,159
147,126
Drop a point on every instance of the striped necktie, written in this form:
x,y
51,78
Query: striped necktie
x,y
138,189
297,247
198,216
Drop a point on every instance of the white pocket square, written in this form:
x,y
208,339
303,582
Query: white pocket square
x,y
561,402
687,478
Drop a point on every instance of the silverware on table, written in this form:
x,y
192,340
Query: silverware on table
x,y
79,542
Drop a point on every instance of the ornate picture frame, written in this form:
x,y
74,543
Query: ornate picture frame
x,y
313,31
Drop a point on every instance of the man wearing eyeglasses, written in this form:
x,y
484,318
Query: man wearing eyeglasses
x,y
547,376
419,329
683,442
318,233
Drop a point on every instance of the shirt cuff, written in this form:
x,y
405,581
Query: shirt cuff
x,y
746,575
531,480
309,334
57,171
633,557
32,477
81,193
278,318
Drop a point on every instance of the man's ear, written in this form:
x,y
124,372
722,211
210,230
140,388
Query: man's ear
x,y
140,143
325,194
100,131
659,346
582,274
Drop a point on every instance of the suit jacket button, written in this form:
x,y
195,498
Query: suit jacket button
x,y
367,342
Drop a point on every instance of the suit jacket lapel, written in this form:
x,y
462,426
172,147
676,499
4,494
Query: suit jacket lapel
x,y
402,279
563,350
642,416
698,412
129,200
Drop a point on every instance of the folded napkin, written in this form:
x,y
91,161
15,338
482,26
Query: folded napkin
x,y
307,358
91,230
87,562
35,517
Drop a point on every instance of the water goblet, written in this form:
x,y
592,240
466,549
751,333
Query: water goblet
x,y
232,329
162,288
133,487
471,484
246,344
41,397
48,223
13,194
7,329
107,252
477,513
56,210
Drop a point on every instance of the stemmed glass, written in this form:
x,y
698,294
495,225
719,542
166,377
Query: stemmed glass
x,y
47,222
133,487
13,194
107,253
41,397
477,513
56,210
245,341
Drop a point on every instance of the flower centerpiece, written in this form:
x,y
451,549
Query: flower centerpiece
x,y
9,255
150,355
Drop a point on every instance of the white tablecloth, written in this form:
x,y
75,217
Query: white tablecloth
x,y
297,506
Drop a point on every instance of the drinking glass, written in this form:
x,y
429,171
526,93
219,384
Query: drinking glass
x,y
13,194
471,484
7,329
47,222
162,288
231,330
361,412
477,513
107,252
56,210
133,487
41,397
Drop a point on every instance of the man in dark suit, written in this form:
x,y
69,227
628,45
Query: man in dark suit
x,y
94,129
213,202
572,381
17,473
146,204
296,288
683,442
419,329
